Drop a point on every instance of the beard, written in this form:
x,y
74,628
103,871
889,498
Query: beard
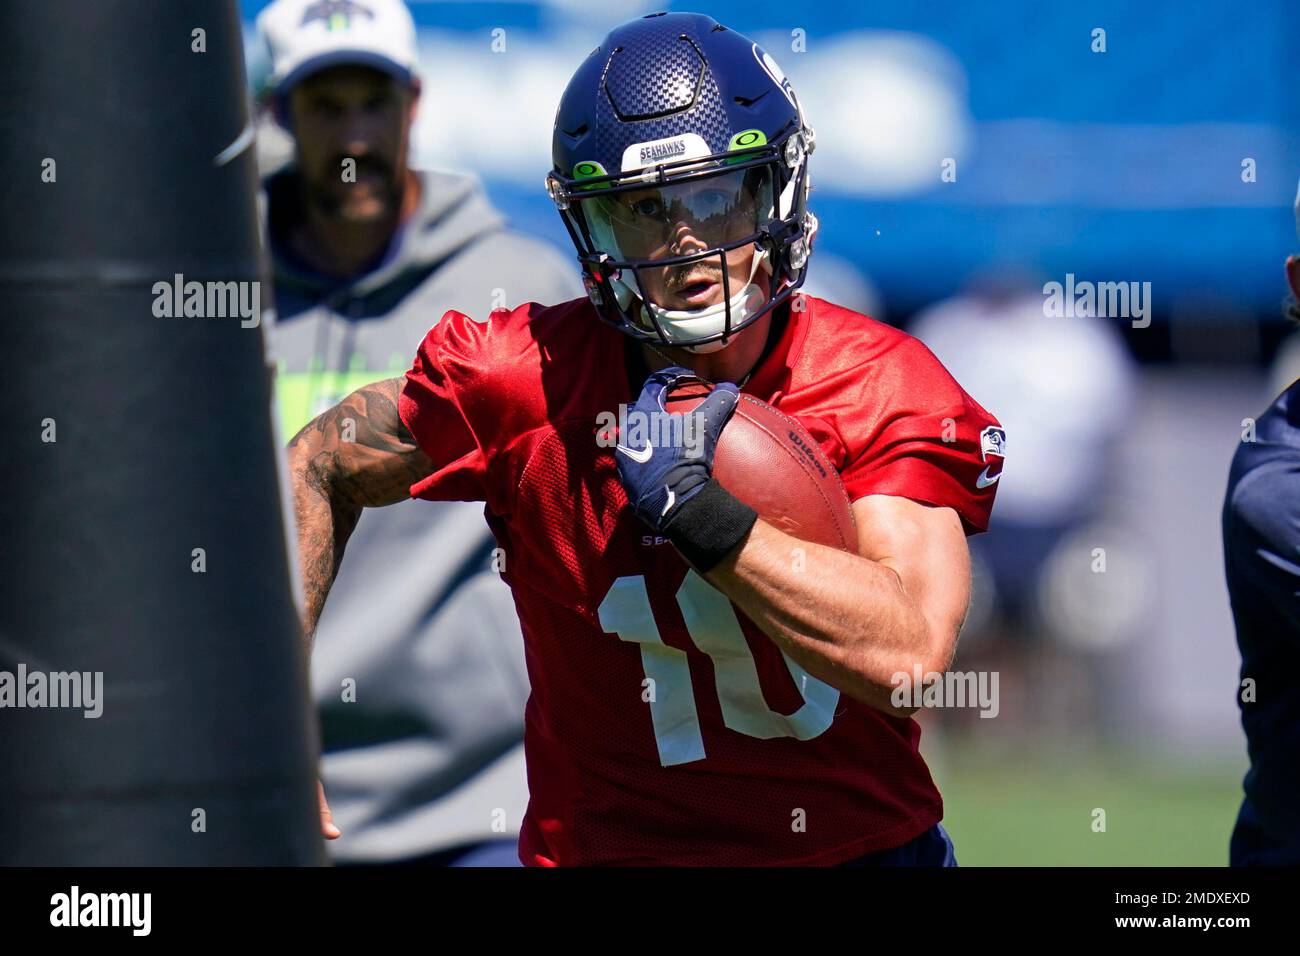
x,y
337,201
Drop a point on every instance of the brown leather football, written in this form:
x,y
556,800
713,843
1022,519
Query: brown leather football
x,y
769,461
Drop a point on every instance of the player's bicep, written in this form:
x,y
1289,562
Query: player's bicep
x,y
925,545
361,450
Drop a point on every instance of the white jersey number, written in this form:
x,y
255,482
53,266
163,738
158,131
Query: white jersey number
x,y
714,629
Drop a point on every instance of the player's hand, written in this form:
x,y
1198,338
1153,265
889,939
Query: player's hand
x,y
661,478
669,483
327,828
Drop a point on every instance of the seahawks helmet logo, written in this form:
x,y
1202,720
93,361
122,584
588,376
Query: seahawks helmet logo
x,y
658,152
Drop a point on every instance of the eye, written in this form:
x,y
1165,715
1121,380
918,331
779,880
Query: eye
x,y
648,206
711,202
326,109
380,101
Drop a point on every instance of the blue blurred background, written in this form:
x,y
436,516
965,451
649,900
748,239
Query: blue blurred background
x,y
1122,164
1171,158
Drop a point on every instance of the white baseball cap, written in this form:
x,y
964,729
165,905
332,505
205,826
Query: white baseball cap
x,y
304,36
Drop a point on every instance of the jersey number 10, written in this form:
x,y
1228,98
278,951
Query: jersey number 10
x,y
714,629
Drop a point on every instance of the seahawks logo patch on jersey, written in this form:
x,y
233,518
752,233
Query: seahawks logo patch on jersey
x,y
993,441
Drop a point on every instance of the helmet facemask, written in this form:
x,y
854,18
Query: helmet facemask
x,y
687,254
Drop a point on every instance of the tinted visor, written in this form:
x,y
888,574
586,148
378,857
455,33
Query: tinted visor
x,y
658,222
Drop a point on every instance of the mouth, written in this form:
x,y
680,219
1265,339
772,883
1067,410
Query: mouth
x,y
369,178
698,291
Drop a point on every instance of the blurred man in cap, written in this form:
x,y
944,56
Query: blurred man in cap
x,y
418,666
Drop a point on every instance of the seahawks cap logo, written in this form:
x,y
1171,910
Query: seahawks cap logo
x,y
337,14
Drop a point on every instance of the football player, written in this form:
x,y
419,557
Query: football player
x,y
1261,550
700,695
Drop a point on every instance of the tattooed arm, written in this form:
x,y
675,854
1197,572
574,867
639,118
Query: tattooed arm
x,y
356,455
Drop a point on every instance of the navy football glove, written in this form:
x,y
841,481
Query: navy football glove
x,y
668,472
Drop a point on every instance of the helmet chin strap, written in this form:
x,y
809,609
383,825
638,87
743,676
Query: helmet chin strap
x,y
742,305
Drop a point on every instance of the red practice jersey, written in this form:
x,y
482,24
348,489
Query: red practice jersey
x,y
663,726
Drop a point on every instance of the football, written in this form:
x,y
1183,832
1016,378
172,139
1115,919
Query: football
x,y
769,461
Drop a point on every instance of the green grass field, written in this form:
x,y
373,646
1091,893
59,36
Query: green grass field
x,y
1026,810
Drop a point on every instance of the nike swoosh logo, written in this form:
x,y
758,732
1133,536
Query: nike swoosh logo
x,y
671,498
983,481
641,456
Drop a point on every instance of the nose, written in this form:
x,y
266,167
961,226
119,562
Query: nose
x,y
357,132
684,240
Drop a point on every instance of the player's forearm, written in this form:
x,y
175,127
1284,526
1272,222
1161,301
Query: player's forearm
x,y
844,619
355,455
325,520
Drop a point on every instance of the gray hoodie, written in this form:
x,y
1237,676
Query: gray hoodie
x,y
428,755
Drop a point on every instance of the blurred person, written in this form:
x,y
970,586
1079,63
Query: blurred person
x,y
697,697
1261,552
1063,387
418,669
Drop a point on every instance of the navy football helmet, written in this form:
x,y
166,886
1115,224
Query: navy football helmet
x,y
680,150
